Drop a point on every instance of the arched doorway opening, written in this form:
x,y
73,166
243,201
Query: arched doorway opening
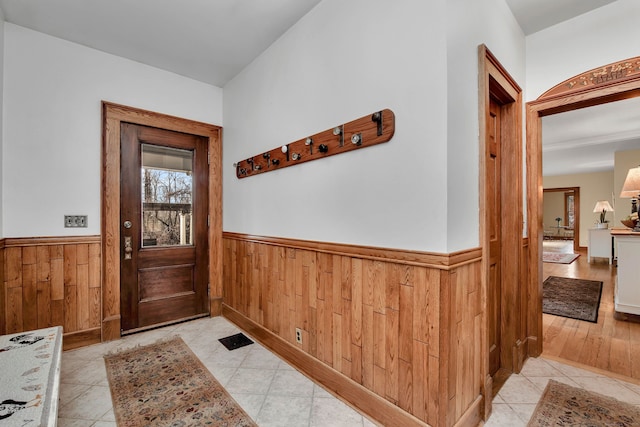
x,y
610,83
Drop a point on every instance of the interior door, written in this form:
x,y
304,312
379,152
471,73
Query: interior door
x,y
493,204
163,220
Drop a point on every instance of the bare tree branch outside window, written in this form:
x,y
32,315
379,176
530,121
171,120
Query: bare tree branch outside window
x,y
167,200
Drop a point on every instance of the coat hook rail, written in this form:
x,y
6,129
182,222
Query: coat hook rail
x,y
366,131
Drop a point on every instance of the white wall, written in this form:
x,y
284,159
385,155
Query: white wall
x,y
469,24
602,36
52,125
344,60
341,61
1,109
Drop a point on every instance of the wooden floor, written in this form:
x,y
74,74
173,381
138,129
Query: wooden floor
x,y
610,344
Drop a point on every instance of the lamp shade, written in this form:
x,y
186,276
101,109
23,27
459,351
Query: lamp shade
x,y
631,186
602,206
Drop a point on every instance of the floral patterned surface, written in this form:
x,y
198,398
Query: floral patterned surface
x,y
563,405
165,384
559,258
30,377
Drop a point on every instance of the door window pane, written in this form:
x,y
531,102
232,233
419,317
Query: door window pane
x,y
167,194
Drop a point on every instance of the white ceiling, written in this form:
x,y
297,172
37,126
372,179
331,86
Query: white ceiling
x,y
207,40
584,141
536,15
212,41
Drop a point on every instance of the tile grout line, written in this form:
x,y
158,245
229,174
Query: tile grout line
x,y
268,389
264,395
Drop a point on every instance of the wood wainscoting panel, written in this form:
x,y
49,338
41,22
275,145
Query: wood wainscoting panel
x,y
406,327
52,282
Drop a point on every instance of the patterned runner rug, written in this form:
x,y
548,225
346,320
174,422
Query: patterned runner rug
x,y
559,258
165,384
563,405
573,298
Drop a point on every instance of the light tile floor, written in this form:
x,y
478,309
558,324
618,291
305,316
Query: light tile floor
x,y
275,394
271,391
518,397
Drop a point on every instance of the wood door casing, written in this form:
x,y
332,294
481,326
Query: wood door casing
x,y
495,84
161,284
493,205
615,82
112,117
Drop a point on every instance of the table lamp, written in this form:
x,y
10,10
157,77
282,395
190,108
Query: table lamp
x,y
631,190
602,206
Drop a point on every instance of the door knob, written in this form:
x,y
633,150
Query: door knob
x,y
127,224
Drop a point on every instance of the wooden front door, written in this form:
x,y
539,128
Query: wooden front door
x,y
493,205
163,227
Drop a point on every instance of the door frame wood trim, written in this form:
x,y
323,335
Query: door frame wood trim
x,y
112,116
495,82
594,87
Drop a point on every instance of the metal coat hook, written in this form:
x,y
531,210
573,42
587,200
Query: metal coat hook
x,y
377,118
285,150
339,131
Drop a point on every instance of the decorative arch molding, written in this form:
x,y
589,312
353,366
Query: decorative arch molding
x,y
613,82
614,73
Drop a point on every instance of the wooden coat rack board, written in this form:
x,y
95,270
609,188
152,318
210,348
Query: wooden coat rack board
x,y
366,131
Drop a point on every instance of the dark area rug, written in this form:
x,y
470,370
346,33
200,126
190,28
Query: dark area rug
x,y
563,405
573,298
165,384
